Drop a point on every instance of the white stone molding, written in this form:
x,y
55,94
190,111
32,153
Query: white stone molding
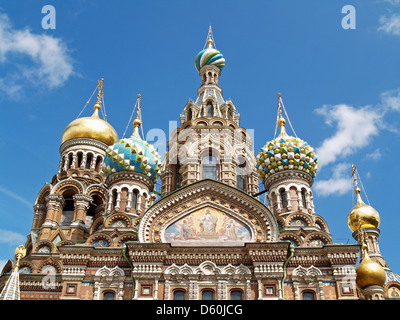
x,y
106,278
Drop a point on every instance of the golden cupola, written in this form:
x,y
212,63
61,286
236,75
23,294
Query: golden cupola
x,y
91,127
369,272
362,215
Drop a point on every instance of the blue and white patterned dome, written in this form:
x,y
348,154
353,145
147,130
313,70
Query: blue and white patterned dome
x,y
286,153
209,56
133,154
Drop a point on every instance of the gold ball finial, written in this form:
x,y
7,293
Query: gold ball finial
x,y
369,272
362,215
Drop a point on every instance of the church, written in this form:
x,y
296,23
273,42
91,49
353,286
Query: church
x,y
101,230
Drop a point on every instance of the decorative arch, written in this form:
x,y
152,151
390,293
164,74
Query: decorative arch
x,y
49,262
99,240
68,184
318,238
118,217
195,199
295,216
41,244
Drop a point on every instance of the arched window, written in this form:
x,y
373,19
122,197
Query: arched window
x,y
68,210
284,199
134,199
179,295
70,159
308,295
303,198
177,176
236,295
189,114
209,109
109,296
88,161
240,174
209,165
114,198
80,156
207,295
99,161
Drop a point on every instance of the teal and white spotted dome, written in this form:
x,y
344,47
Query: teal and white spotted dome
x,y
286,153
133,154
209,56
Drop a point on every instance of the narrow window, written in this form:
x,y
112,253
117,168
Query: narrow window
x,y
207,295
209,164
134,199
209,109
240,175
303,198
88,161
179,295
308,296
70,159
79,159
236,295
283,198
109,296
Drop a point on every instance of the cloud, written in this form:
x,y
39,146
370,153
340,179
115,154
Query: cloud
x,y
16,197
340,182
29,58
390,24
11,238
354,130
390,100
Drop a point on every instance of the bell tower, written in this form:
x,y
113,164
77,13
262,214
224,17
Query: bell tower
x,y
210,144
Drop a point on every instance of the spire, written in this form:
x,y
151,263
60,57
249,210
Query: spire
x,y
356,189
11,289
137,122
281,121
210,38
100,95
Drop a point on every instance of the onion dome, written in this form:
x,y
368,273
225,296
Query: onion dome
x,y
369,273
362,215
210,55
91,127
286,153
133,154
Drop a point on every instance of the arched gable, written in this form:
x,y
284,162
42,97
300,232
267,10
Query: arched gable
x,y
231,208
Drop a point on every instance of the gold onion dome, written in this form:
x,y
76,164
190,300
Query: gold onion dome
x,y
362,215
91,127
369,273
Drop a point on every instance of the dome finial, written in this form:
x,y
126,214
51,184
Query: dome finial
x,y
362,215
210,38
281,119
356,189
100,94
137,122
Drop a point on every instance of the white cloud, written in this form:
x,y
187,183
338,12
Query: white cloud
x,y
37,59
12,238
354,130
390,100
340,182
16,196
390,24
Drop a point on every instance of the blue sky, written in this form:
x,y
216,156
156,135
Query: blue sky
x,y
339,86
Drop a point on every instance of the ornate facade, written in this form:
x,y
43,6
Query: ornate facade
x,y
101,231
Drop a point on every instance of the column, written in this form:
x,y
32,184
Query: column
x,y
81,205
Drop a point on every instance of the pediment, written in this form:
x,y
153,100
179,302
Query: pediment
x,y
208,212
